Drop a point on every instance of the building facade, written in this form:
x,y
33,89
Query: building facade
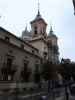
x,y
27,53
15,55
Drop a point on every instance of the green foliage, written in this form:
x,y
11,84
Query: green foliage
x,y
72,70
67,70
49,71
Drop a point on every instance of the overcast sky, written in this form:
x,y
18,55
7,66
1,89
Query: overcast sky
x,y
16,14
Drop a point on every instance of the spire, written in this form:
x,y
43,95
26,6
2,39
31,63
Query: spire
x,y
38,16
38,8
51,31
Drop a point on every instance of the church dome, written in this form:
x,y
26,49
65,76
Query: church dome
x,y
38,18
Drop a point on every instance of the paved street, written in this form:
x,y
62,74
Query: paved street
x,y
57,94
34,97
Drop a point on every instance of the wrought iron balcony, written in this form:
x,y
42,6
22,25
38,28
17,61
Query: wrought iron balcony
x,y
7,72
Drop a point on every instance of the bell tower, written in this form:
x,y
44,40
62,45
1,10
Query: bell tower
x,y
53,50
38,25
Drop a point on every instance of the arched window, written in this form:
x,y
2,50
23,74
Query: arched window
x,y
35,30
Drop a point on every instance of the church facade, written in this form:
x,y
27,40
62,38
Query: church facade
x,y
38,37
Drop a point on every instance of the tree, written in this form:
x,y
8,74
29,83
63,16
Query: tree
x,y
65,71
49,74
72,70
49,71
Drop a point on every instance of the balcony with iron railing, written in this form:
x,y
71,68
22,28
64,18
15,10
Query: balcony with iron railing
x,y
7,77
8,69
